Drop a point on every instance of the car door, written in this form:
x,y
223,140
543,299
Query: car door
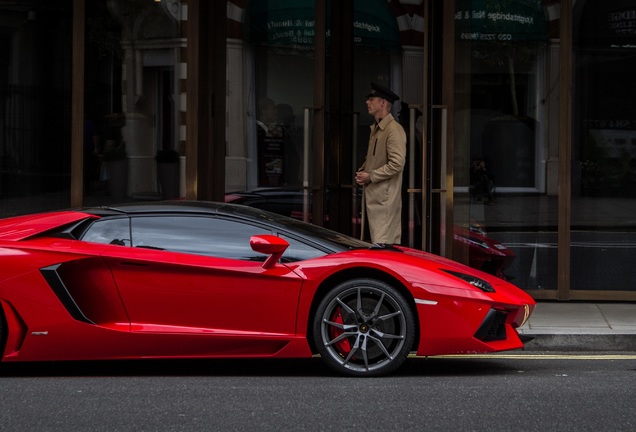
x,y
198,275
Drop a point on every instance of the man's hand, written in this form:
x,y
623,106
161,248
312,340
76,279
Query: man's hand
x,y
362,178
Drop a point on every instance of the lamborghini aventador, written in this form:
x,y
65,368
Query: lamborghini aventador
x,y
189,279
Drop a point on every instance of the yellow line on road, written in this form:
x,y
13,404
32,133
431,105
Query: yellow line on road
x,y
568,356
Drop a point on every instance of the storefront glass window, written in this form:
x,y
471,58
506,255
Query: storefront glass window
x,y
270,78
133,127
505,169
35,106
604,147
283,88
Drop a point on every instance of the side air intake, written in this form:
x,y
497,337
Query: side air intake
x,y
60,290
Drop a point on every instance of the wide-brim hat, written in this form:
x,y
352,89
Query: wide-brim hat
x,y
382,92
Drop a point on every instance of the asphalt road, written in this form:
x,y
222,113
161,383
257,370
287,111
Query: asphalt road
x,y
512,392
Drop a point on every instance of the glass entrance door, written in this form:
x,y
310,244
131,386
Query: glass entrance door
x,y
382,43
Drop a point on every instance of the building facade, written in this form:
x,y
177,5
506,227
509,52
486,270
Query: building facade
x,y
520,116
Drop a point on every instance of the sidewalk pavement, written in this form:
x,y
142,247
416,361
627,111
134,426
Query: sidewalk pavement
x,y
557,326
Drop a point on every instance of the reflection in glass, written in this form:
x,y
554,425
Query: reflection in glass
x,y
504,184
133,50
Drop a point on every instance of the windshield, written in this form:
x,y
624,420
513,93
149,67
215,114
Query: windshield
x,y
341,241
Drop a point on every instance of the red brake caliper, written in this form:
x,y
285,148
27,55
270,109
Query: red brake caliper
x,y
343,345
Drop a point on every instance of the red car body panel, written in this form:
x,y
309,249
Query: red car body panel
x,y
65,299
21,227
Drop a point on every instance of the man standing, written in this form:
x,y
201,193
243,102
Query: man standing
x,y
381,172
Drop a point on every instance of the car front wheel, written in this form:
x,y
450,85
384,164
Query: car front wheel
x,y
364,327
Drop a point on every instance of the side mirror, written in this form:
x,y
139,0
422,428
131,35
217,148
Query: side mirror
x,y
269,245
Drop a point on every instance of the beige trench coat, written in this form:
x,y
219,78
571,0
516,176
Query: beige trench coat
x,y
382,198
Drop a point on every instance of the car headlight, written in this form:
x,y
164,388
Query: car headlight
x,y
473,280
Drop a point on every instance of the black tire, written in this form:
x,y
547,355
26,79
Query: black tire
x,y
364,327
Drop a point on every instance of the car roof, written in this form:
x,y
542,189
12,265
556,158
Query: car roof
x,y
207,207
190,207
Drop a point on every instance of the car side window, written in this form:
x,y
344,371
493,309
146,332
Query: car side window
x,y
114,231
197,235
299,251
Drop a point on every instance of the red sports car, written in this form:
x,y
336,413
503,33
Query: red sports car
x,y
203,280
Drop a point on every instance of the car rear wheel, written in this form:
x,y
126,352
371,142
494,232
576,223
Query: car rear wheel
x,y
364,327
